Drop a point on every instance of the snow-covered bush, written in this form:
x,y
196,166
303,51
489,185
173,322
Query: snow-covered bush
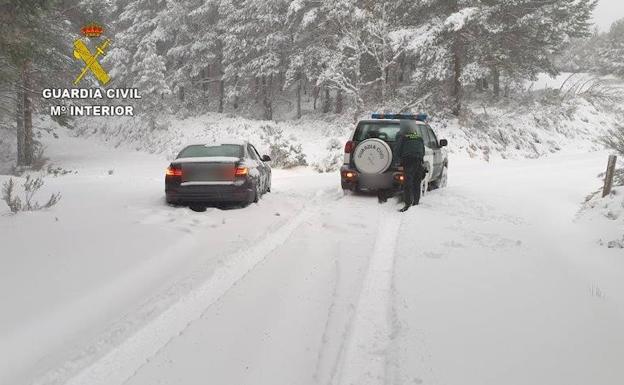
x,y
39,160
333,159
614,139
26,203
284,153
607,214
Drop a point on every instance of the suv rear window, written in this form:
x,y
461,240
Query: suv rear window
x,y
383,130
229,150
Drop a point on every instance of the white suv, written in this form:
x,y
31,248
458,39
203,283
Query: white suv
x,y
368,161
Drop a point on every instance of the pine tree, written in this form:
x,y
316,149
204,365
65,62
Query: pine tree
x,y
611,54
519,38
150,80
33,41
466,40
254,49
195,50
135,25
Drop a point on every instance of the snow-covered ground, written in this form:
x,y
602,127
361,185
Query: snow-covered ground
x,y
606,214
492,280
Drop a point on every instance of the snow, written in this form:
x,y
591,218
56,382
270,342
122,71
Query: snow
x,y
535,127
545,81
497,278
507,292
202,159
110,247
313,135
240,142
457,20
362,363
606,216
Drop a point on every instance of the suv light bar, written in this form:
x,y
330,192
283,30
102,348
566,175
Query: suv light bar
x,y
419,117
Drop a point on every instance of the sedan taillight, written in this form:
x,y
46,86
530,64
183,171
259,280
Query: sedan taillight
x,y
241,171
173,171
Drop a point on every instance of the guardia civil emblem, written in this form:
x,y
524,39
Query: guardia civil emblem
x,y
90,59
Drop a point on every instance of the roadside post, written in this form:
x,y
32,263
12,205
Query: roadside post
x,y
608,182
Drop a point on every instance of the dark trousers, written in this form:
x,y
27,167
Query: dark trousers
x,y
414,174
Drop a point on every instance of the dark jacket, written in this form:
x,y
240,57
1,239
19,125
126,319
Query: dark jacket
x,y
409,143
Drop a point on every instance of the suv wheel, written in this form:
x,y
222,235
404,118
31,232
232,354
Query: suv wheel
x,y
441,181
443,177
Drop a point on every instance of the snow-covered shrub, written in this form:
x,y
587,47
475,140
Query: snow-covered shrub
x,y
182,113
26,203
58,171
333,159
614,139
606,213
618,178
284,153
39,159
8,195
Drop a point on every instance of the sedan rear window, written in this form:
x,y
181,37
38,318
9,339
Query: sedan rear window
x,y
382,130
196,151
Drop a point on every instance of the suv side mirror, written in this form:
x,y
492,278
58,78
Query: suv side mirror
x,y
443,142
266,158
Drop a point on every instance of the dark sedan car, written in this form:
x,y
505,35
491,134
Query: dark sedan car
x,y
224,172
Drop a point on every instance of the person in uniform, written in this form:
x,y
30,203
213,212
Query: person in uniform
x,y
409,151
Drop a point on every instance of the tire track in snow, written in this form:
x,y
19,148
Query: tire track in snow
x,y
124,360
364,360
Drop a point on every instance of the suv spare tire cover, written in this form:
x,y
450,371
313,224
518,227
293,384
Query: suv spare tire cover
x,y
372,156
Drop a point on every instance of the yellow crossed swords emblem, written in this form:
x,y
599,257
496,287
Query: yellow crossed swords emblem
x,y
91,63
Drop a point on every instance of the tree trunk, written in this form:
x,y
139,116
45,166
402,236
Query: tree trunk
x,y
258,89
181,93
299,85
266,100
496,81
315,92
358,109
220,72
339,102
401,70
204,86
28,129
19,119
457,67
327,101
221,94
235,100
457,71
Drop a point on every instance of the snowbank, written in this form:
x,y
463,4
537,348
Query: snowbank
x,y
541,124
607,216
313,136
535,124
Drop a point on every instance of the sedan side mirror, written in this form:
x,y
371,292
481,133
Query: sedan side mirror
x,y
443,142
266,158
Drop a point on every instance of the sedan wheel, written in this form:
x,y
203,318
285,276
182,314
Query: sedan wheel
x,y
198,209
255,197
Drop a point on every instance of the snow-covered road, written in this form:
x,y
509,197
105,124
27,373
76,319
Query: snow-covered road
x,y
490,281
